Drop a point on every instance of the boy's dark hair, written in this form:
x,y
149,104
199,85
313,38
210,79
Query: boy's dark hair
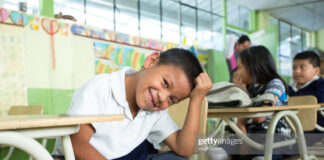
x,y
184,59
311,56
261,66
243,38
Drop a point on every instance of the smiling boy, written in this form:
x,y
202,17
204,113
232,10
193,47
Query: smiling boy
x,y
143,98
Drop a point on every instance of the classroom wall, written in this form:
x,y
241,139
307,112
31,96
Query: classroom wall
x,y
262,20
320,39
27,60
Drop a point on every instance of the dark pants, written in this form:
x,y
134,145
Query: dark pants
x,y
145,151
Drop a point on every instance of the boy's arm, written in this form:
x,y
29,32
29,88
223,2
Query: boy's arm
x,y
81,146
182,142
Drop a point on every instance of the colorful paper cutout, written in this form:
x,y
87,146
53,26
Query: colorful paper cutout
x,y
18,18
64,29
4,15
117,56
51,26
78,30
34,22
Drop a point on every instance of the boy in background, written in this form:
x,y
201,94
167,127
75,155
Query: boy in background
x,y
306,68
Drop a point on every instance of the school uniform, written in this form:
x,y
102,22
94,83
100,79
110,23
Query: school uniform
x,y
106,94
313,87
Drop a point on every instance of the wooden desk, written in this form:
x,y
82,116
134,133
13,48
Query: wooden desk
x,y
19,131
277,113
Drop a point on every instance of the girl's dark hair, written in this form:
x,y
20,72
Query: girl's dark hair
x,y
184,59
261,66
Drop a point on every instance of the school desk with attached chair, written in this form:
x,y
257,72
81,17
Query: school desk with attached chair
x,y
21,131
227,114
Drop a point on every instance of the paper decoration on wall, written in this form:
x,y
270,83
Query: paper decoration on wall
x,y
78,30
19,18
118,57
34,22
12,69
51,26
121,38
64,31
4,15
201,55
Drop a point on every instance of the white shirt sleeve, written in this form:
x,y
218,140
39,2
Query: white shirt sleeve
x,y
87,99
163,128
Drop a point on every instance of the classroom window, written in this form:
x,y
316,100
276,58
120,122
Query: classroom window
x,y
305,40
296,40
188,25
204,5
204,27
32,6
238,16
217,7
189,2
170,21
127,17
150,19
273,21
217,33
74,8
100,13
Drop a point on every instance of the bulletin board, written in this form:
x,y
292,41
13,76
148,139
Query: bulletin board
x,y
12,68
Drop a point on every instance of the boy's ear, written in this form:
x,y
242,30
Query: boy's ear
x,y
151,60
317,70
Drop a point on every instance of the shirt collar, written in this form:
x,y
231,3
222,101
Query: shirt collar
x,y
118,85
294,84
119,91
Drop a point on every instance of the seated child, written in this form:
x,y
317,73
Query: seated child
x,y
257,70
143,98
306,68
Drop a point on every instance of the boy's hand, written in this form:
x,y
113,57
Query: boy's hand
x,y
203,85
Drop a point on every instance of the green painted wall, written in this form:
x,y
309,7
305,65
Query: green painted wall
x,y
46,8
320,39
217,67
55,101
262,20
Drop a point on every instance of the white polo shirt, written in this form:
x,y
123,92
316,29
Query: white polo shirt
x,y
105,94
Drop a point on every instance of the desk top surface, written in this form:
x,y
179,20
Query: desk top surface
x,y
261,109
37,121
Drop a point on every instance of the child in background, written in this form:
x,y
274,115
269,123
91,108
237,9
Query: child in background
x,y
306,68
257,70
143,98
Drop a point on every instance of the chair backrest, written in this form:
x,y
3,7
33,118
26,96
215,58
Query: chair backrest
x,y
21,110
178,114
307,117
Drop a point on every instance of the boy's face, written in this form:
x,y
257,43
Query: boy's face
x,y
304,71
244,45
161,86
